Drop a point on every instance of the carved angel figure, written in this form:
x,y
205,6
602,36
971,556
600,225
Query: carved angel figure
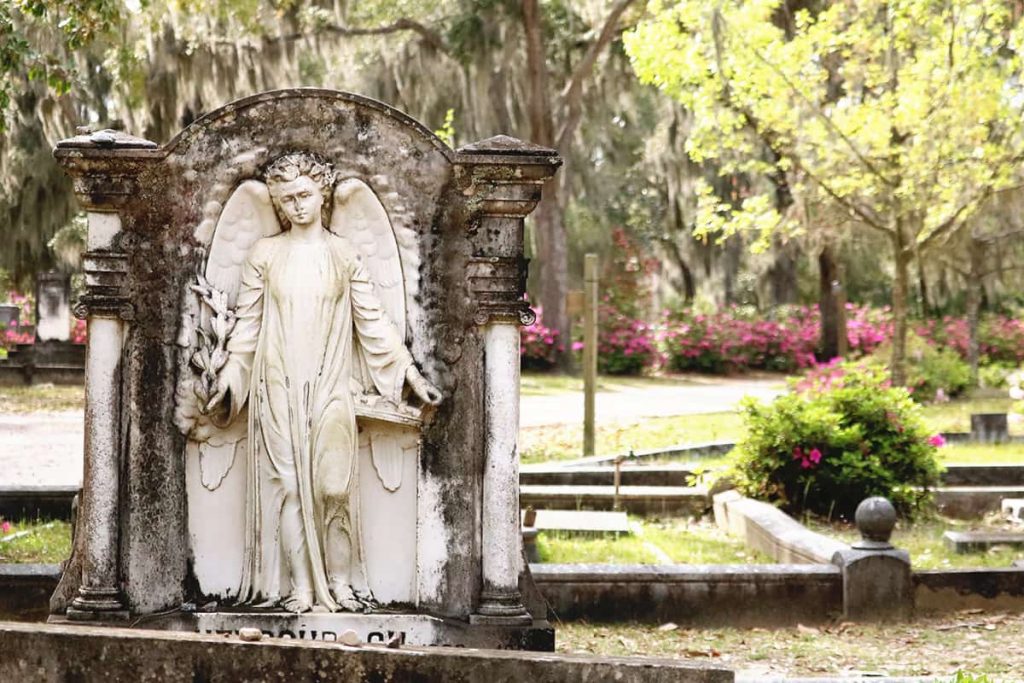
x,y
307,326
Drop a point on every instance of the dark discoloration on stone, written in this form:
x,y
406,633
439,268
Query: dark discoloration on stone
x,y
60,653
705,595
951,590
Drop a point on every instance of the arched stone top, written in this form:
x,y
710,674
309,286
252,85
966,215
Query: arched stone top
x,y
232,109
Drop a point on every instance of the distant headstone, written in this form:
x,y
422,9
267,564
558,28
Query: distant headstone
x,y
302,391
9,314
989,428
53,307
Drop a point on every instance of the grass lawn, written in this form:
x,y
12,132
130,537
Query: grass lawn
x,y
955,416
675,541
563,442
45,397
45,542
971,641
923,540
981,454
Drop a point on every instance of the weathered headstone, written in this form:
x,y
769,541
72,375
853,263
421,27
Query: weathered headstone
x,y
989,427
302,389
53,307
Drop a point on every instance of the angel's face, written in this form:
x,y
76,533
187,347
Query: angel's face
x,y
300,200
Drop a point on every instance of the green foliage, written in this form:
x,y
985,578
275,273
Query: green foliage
x,y
901,118
931,372
447,130
827,448
962,677
39,39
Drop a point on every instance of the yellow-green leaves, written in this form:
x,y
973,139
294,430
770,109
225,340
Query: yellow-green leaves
x,y
902,113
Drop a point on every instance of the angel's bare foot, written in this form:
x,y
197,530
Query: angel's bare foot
x,y
345,598
300,602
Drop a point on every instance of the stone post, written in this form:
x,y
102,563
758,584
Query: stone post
x,y
103,178
877,582
501,180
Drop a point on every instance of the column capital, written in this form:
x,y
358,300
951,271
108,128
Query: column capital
x,y
104,166
105,295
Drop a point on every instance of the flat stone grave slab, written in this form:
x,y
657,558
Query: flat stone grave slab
x,y
640,500
631,474
583,522
966,502
963,542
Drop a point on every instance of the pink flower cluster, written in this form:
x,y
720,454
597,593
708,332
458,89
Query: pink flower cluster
x,y
625,345
539,345
808,459
5,527
730,341
1000,337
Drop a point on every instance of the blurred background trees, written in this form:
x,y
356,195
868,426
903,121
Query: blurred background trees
x,y
750,153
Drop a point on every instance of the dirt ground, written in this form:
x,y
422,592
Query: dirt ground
x,y
971,641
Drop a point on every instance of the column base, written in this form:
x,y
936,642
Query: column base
x,y
501,609
97,604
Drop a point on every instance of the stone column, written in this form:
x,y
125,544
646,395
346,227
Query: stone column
x,y
103,166
105,308
501,181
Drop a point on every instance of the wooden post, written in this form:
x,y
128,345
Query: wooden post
x,y
589,349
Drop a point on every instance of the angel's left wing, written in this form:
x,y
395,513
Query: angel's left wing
x,y
359,217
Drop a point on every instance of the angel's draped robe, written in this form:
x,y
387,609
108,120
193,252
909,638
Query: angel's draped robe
x,y
291,357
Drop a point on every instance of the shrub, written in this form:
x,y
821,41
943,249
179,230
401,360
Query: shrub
x,y
625,345
833,442
931,372
731,341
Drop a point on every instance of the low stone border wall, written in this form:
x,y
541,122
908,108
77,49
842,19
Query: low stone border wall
x,y
37,502
949,590
42,652
25,590
707,595
771,531
696,451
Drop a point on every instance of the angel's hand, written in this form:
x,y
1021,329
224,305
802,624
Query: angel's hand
x,y
220,391
423,389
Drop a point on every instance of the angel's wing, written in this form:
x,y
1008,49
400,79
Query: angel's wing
x,y
248,215
360,218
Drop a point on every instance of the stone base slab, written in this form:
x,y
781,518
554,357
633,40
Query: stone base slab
x,y
410,629
45,653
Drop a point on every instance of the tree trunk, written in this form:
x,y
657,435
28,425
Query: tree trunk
x,y
900,297
977,256
548,218
922,283
832,305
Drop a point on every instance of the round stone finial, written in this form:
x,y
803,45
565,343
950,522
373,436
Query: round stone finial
x,y
875,518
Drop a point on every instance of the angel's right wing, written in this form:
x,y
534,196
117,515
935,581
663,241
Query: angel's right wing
x,y
247,216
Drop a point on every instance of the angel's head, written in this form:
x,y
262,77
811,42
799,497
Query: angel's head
x,y
300,185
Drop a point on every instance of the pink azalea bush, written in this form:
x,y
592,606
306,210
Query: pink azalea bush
x,y
625,345
832,442
539,345
23,332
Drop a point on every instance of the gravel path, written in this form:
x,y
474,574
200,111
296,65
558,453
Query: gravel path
x,y
45,448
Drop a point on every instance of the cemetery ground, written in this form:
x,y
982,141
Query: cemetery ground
x,y
973,640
